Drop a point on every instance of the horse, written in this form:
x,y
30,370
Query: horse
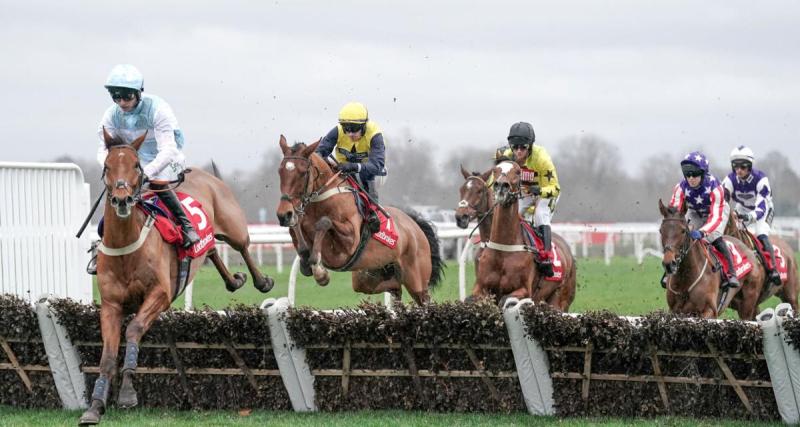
x,y
142,277
787,291
507,266
319,206
476,202
693,283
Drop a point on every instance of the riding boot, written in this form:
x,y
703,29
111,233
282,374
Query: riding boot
x,y
545,260
91,268
773,274
170,199
373,222
733,282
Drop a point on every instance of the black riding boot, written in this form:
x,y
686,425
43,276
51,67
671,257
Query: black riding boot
x,y
170,199
545,261
733,282
773,274
373,222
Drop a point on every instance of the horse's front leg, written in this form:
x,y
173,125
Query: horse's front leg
x,y
110,325
315,259
157,301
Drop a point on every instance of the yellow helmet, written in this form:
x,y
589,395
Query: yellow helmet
x,y
353,112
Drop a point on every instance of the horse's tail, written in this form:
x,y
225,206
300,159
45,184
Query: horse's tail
x,y
215,170
437,265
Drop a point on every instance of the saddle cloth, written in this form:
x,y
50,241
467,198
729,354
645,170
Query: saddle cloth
x,y
171,232
783,269
536,241
742,265
387,233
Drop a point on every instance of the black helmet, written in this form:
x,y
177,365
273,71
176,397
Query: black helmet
x,y
521,133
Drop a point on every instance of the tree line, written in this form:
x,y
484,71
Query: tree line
x,y
596,186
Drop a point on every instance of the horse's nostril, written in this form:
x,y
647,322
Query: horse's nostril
x,y
114,201
129,201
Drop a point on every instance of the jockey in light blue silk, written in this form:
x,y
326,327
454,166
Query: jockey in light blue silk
x,y
134,113
751,197
707,210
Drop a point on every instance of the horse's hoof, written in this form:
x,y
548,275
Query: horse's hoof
x,y
127,396
323,281
305,268
90,417
239,280
265,285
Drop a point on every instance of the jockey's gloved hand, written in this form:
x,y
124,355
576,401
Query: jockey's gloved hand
x,y
696,234
535,190
350,167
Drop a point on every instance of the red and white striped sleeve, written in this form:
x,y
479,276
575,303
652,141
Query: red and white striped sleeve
x,y
717,204
677,198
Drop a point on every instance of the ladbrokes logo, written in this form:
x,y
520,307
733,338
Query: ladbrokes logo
x,y
383,237
744,268
203,242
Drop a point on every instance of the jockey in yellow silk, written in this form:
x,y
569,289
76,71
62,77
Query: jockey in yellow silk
x,y
357,146
539,181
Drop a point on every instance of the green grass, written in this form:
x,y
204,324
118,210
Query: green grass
x,y
162,418
623,287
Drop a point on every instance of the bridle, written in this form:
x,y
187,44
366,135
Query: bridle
x,y
484,199
686,246
513,195
306,197
137,194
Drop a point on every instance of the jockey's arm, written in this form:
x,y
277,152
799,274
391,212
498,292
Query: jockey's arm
x,y
763,191
715,210
328,143
548,179
375,161
677,197
105,122
165,125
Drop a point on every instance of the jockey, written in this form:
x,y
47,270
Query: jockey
x,y
707,211
359,147
134,113
539,183
751,197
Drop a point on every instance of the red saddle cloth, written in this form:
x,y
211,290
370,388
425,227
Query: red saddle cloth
x,y
783,269
558,267
171,232
742,265
387,234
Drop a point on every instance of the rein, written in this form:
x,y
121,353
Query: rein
x,y
680,256
307,197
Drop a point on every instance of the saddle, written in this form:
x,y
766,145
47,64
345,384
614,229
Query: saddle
x,y
779,263
534,240
376,219
170,230
741,266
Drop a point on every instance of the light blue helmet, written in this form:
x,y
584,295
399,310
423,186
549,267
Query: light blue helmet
x,y
125,75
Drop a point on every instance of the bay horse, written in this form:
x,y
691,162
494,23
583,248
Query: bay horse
x,y
326,228
787,292
507,267
144,279
693,284
476,202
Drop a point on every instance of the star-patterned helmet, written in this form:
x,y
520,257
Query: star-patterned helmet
x,y
697,159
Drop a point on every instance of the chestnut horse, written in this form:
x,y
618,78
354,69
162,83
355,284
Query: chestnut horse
x,y
144,279
693,285
326,228
476,202
507,267
787,292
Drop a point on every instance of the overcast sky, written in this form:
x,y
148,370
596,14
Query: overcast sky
x,y
648,76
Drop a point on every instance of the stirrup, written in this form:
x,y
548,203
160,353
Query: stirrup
x,y
545,267
775,277
189,239
732,282
91,267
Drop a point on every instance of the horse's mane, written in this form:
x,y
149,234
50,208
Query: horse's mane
x,y
116,141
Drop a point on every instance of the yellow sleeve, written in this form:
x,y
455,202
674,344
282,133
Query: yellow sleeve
x,y
548,178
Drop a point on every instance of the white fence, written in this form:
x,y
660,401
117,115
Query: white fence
x,y
42,208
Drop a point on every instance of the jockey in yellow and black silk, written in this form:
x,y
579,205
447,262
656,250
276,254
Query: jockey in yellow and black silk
x,y
707,211
539,184
357,146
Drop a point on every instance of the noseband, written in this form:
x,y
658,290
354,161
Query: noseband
x,y
685,246
484,200
137,195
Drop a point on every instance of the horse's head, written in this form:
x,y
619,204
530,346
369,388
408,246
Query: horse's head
x,y
674,236
122,173
476,199
506,185
299,171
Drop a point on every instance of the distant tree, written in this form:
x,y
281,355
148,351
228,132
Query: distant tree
x,y
658,175
784,182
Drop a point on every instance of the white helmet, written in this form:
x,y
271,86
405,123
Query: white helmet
x,y
742,153
125,75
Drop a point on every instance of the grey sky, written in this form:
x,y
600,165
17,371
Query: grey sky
x,y
648,76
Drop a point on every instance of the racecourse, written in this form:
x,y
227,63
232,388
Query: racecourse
x,y
624,287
